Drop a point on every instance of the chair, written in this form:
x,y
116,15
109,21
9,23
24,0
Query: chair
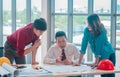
x,y
1,51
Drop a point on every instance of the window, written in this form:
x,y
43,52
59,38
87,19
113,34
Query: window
x,y
7,20
118,32
60,23
80,6
101,7
118,25
61,6
79,24
35,9
20,13
118,6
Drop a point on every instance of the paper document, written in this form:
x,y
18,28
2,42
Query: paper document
x,y
67,68
29,71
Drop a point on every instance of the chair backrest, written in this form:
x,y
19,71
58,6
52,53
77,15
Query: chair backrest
x,y
1,51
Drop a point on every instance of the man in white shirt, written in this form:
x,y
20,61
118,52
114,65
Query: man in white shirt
x,y
62,52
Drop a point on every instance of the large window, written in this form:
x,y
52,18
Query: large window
x,y
67,15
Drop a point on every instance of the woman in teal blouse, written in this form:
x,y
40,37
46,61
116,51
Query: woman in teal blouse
x,y
95,35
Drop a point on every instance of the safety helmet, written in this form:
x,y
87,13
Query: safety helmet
x,y
105,64
4,59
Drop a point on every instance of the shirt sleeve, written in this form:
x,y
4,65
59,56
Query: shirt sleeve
x,y
49,58
84,42
76,54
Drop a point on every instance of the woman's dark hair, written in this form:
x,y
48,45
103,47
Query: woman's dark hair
x,y
60,33
94,22
40,24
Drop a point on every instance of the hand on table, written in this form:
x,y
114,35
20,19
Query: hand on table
x,y
76,63
58,60
67,62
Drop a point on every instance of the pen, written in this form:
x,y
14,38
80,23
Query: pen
x,y
93,67
46,70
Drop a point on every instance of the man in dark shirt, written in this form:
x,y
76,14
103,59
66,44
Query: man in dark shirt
x,y
15,46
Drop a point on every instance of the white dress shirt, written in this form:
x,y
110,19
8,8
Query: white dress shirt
x,y
71,52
